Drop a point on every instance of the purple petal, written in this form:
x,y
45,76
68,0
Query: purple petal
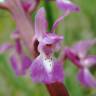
x,y
19,14
81,48
58,72
40,23
49,43
58,21
5,47
89,61
18,46
20,64
38,72
26,62
16,36
52,38
14,63
86,78
68,53
67,5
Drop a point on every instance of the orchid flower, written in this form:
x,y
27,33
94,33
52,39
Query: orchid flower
x,y
20,62
20,10
45,68
78,55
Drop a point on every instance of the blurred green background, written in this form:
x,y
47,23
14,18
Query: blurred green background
x,y
77,26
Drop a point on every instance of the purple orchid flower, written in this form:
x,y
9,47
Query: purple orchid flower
x,y
19,61
45,68
78,55
20,11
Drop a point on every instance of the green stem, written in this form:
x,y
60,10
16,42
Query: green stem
x,y
49,13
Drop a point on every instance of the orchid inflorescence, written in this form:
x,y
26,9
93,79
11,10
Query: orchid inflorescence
x,y
44,67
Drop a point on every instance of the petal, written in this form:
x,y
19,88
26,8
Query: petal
x,y
5,47
16,36
52,38
38,73
21,16
20,63
86,78
89,61
18,46
14,63
40,23
26,62
67,5
69,54
81,48
58,72
58,21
